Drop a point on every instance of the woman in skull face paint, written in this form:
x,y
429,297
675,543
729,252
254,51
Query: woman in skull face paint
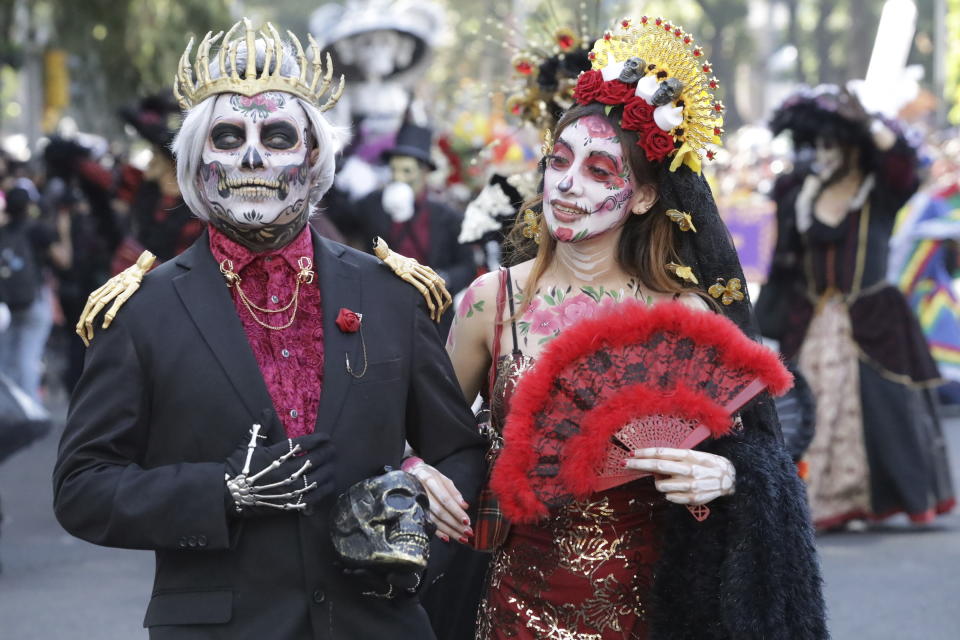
x,y
607,239
628,562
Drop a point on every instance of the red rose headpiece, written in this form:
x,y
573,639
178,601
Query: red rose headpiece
x,y
659,78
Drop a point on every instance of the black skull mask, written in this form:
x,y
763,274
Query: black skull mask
x,y
381,523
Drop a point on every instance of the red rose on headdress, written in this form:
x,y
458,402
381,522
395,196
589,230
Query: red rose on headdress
x,y
348,321
615,92
656,143
588,84
637,115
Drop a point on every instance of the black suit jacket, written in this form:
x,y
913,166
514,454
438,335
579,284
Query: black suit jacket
x,y
452,260
170,390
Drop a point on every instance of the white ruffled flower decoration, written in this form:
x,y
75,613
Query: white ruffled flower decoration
x,y
482,213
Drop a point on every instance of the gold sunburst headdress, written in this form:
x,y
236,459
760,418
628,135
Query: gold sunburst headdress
x,y
661,79
195,82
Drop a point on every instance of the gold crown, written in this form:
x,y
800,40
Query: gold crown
x,y
195,82
670,52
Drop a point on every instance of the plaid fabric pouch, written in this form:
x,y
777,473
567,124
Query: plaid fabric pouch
x,y
490,528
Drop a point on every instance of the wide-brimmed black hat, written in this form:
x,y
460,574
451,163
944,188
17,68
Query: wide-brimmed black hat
x,y
413,141
828,112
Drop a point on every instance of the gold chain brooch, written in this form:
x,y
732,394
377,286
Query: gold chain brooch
x,y
304,276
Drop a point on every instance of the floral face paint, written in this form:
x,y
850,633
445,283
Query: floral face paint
x,y
254,171
587,184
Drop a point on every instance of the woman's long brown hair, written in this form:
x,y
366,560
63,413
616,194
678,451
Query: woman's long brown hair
x,y
648,242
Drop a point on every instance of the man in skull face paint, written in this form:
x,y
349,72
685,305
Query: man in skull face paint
x,y
174,443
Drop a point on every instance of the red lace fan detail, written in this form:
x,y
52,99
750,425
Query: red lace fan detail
x,y
638,376
641,433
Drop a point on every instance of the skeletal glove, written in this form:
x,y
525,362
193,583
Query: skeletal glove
x,y
428,283
686,476
292,475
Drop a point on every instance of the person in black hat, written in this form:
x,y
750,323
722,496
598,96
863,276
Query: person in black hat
x,y
412,223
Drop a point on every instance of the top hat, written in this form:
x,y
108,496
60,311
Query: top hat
x,y
413,141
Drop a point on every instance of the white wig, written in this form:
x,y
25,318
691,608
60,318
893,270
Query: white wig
x,y
190,141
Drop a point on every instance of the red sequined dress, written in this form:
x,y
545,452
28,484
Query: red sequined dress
x,y
586,572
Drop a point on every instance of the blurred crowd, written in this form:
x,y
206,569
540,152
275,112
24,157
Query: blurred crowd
x,y
79,212
74,215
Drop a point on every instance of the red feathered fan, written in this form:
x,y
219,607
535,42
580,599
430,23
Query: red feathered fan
x,y
628,378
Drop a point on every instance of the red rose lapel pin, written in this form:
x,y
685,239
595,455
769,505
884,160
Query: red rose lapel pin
x,y
350,322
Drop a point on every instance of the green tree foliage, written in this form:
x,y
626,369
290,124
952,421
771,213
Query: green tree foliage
x,y
123,49
118,49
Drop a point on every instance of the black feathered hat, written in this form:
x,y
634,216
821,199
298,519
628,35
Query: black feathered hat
x,y
827,112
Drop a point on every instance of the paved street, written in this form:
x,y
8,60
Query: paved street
x,y
890,583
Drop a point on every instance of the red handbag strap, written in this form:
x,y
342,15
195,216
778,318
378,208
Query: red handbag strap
x,y
498,329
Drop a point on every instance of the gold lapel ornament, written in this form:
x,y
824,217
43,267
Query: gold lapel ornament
x,y
304,276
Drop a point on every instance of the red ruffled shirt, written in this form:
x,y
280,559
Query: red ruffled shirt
x,y
412,238
291,359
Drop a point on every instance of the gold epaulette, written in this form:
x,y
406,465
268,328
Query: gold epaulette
x,y
119,288
425,279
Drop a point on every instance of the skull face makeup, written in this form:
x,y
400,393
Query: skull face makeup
x,y
408,170
381,523
828,159
254,171
587,186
